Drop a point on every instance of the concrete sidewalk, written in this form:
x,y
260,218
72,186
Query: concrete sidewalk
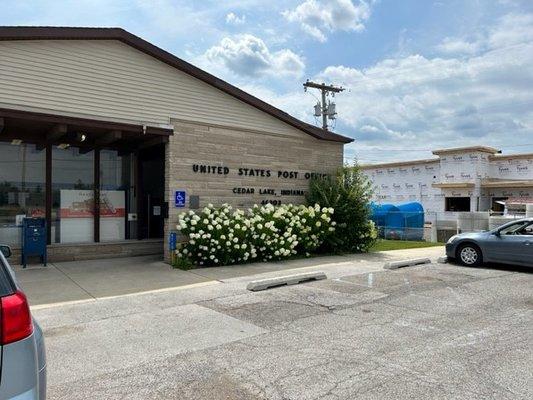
x,y
96,279
92,279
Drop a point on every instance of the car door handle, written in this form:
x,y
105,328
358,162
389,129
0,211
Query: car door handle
x,y
528,243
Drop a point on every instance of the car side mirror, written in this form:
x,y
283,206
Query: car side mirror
x,y
497,234
6,251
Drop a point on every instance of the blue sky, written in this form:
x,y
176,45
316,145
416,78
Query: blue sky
x,y
420,74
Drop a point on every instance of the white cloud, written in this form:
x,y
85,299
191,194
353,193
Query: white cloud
x,y
416,102
459,46
320,17
297,103
174,18
247,55
234,19
513,29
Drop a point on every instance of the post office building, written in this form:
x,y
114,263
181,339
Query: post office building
x,y
108,138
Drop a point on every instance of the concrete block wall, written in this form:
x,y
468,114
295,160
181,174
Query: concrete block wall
x,y
233,149
92,251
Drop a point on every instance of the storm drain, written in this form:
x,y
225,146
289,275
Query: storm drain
x,y
270,283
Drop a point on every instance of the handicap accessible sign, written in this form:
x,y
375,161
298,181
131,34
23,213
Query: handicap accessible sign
x,y
179,198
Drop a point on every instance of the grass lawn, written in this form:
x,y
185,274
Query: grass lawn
x,y
384,245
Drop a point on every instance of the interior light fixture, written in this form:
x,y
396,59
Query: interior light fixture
x,y
63,146
16,142
82,137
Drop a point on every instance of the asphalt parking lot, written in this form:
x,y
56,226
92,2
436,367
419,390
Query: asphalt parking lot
x,y
428,332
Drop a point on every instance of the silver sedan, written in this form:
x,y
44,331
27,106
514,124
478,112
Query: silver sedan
x,y
511,243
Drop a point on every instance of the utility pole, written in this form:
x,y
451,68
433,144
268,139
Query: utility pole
x,y
325,110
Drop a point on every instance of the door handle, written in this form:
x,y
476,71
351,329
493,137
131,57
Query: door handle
x,y
528,243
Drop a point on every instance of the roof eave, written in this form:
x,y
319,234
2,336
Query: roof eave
x,y
481,149
394,164
84,33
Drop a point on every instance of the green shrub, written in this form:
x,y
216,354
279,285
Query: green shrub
x,y
348,193
223,236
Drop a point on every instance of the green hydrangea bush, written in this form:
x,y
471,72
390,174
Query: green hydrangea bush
x,y
224,236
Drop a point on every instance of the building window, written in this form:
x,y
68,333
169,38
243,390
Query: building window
x,y
72,195
498,205
457,204
69,207
22,188
116,196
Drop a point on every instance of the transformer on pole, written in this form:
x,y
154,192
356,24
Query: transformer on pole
x,y
323,109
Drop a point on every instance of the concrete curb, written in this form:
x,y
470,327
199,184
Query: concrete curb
x,y
443,260
118,296
264,284
406,263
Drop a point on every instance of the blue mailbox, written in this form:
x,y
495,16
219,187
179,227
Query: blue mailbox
x,y
33,239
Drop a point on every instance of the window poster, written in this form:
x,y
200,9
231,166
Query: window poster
x,y
77,215
112,215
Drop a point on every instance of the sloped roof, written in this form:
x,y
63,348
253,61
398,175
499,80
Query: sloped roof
x,y
71,33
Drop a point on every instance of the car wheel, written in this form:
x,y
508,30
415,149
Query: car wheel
x,y
469,255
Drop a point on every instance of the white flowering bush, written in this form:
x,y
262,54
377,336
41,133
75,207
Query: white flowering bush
x,y
222,236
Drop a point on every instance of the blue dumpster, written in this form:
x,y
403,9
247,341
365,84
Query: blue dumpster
x,y
413,214
389,220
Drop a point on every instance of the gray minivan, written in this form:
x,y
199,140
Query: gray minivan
x,y
22,353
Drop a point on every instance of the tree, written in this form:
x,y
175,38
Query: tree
x,y
348,193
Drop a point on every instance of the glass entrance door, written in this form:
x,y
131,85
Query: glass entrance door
x,y
152,188
117,196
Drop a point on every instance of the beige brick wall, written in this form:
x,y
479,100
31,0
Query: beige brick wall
x,y
234,149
